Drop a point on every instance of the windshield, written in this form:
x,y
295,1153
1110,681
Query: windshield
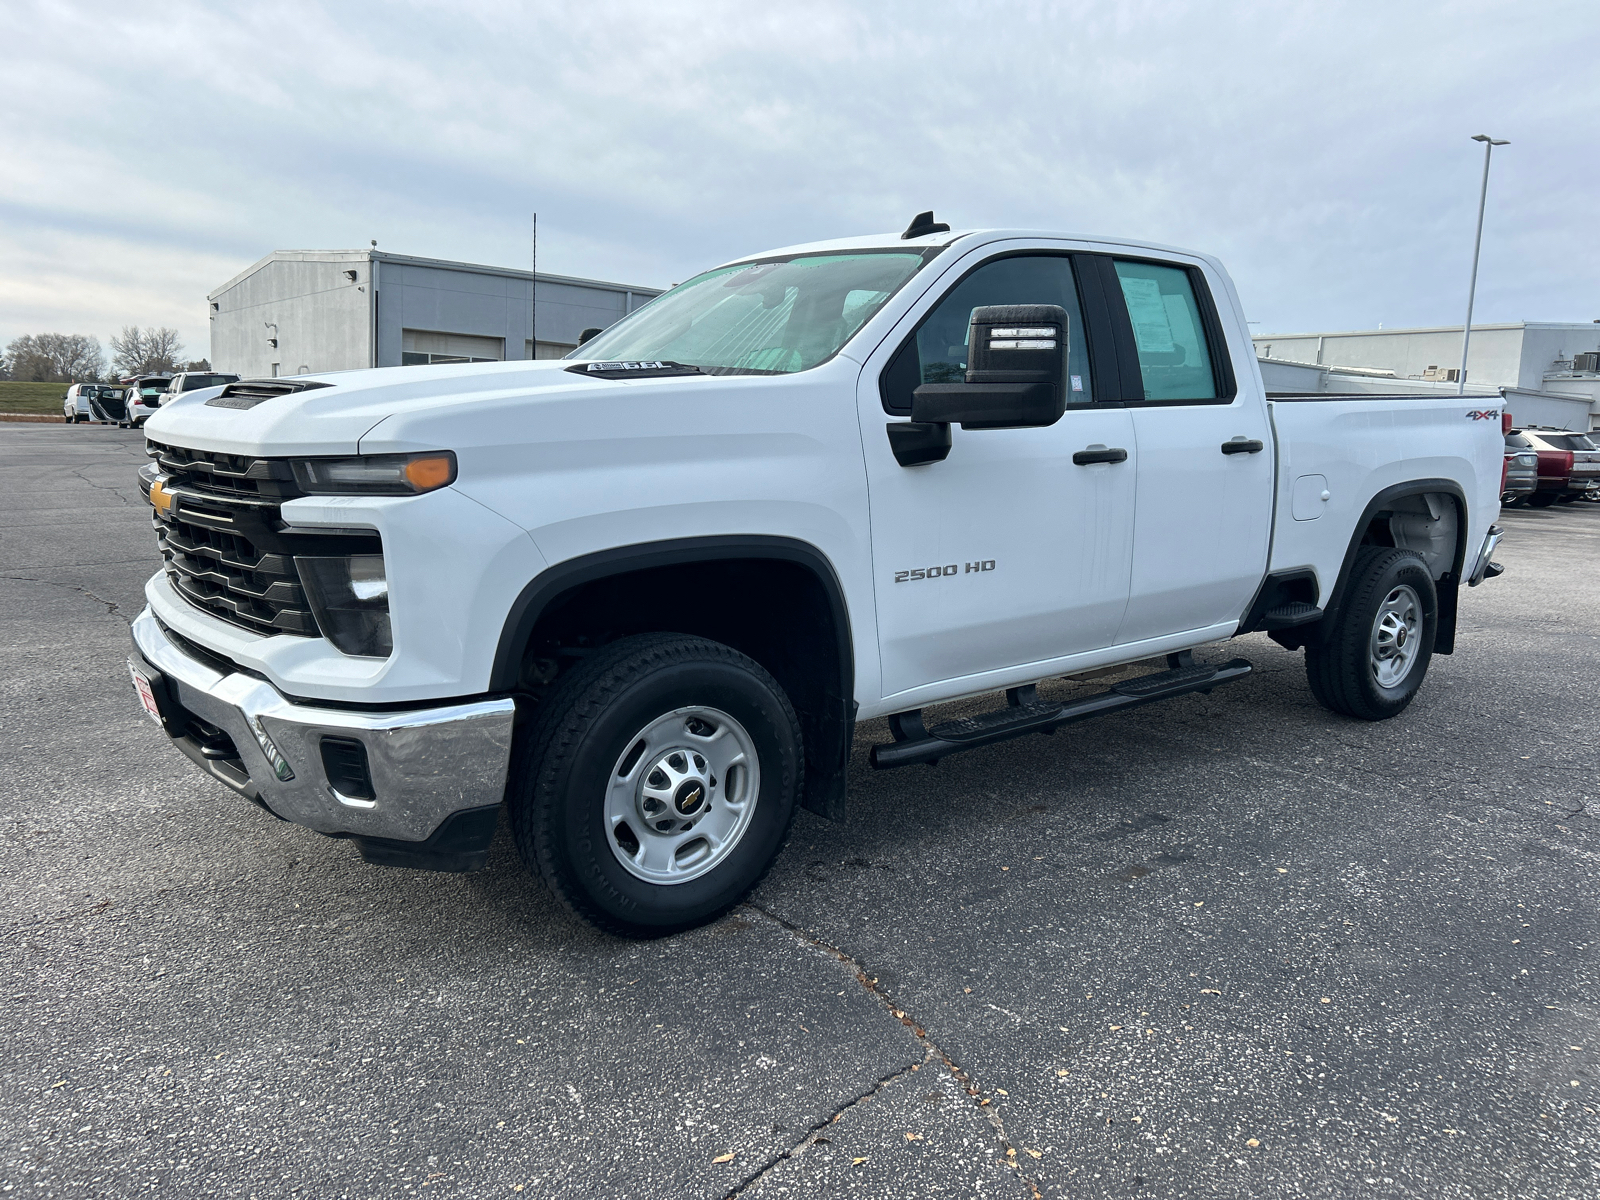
x,y
766,318
191,382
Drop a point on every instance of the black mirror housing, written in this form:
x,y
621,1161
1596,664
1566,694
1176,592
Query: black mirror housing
x,y
1016,372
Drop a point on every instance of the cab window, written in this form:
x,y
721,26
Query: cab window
x,y
937,352
1168,332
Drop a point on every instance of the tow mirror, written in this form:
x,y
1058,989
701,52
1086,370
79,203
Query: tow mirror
x,y
1016,379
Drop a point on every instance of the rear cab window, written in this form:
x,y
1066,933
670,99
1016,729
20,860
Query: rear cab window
x,y
1169,331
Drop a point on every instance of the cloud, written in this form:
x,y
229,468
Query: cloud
x,y
1320,150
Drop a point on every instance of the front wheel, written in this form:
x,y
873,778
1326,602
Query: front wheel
x,y
1378,651
657,784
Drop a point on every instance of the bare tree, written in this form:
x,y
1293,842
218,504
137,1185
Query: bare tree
x,y
145,351
55,357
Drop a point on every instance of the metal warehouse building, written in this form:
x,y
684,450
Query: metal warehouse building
x,y
299,311
1549,372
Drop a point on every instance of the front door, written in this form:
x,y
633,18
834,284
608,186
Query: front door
x,y
1006,553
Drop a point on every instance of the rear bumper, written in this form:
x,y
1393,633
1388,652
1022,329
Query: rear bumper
x,y
436,775
1483,568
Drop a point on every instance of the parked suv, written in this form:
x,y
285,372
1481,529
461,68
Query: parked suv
x,y
1519,477
144,396
1569,466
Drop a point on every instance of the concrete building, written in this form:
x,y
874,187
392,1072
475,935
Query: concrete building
x,y
299,311
1548,371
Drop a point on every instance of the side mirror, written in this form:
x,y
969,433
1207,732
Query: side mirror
x,y
1016,379
1016,372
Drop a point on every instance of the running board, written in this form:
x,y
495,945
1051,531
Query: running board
x,y
1025,713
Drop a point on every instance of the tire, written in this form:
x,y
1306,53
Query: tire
x,y
1390,613
1567,498
1541,500
622,733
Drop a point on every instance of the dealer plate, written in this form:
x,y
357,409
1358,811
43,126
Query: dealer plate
x,y
147,695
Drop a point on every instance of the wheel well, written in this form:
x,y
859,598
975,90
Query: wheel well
x,y
782,612
1428,517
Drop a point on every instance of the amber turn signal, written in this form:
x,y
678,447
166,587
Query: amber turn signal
x,y
431,471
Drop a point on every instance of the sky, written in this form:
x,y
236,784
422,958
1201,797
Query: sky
x,y
149,152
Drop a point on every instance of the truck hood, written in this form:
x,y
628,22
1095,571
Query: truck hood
x,y
332,419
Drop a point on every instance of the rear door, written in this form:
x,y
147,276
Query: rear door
x,y
1007,552
1204,490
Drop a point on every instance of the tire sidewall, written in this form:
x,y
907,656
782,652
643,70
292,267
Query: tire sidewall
x,y
1403,569
578,845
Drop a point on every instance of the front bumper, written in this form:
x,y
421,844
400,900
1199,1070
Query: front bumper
x,y
437,775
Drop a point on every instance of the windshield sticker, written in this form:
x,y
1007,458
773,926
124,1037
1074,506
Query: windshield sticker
x,y
1151,328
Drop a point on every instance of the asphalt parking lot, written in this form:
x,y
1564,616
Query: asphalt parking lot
x,y
1225,946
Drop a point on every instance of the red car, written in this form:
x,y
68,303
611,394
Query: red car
x,y
1569,465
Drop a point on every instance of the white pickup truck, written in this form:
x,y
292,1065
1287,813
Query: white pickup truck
x,y
640,598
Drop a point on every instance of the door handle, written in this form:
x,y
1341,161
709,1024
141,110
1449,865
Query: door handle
x,y
1243,445
1100,454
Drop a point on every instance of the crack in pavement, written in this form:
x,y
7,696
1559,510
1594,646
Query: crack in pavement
x,y
806,1140
933,1051
112,608
104,487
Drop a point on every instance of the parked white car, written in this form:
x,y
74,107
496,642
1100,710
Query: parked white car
x,y
144,393
643,596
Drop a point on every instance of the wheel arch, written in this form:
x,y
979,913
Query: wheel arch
x,y
791,616
1446,583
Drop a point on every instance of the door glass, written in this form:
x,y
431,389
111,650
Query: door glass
x,y
1173,358
941,343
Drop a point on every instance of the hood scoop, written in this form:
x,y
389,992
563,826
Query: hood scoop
x,y
247,393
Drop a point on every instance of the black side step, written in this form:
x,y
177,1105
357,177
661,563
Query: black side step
x,y
1294,612
1025,714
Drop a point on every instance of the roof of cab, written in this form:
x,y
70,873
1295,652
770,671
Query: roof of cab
x,y
893,241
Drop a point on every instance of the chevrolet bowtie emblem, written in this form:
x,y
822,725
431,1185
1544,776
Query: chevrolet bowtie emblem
x,y
162,499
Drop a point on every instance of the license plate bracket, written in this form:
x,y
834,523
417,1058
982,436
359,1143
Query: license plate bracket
x,y
150,686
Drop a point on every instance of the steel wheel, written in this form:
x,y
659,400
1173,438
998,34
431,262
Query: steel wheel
x,y
682,795
1396,636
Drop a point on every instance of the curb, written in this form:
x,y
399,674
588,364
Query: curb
x,y
42,418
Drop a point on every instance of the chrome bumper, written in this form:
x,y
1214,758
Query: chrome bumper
x,y
425,765
1484,569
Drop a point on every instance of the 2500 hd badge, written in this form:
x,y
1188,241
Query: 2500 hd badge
x,y
912,576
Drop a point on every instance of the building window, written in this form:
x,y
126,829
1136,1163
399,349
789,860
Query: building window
x,y
419,347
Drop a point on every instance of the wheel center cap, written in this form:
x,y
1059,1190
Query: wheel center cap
x,y
1400,637
690,797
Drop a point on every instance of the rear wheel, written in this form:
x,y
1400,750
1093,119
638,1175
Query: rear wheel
x,y
657,784
1376,656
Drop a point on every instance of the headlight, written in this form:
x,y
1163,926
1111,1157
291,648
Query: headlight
x,y
350,598
376,474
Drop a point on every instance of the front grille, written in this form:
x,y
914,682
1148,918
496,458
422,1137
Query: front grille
x,y
225,547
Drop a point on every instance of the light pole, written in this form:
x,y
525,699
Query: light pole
x,y
1489,144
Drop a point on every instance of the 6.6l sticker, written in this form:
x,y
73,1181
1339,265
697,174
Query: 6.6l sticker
x,y
971,568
